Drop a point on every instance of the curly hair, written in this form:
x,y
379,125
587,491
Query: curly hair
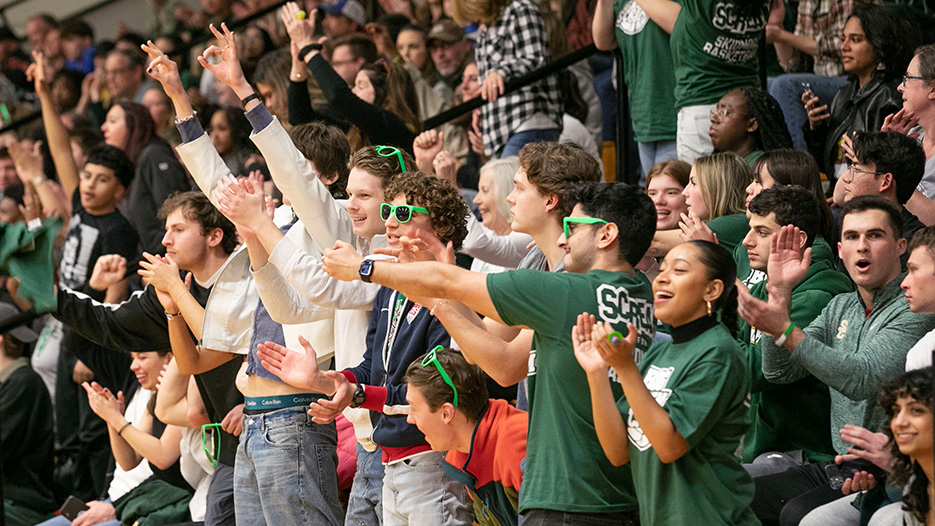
x,y
771,132
915,384
447,209
892,36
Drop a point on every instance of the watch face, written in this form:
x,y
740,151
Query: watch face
x,y
366,268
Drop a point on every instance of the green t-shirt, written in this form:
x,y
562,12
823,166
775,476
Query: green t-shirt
x,y
730,230
714,50
648,72
703,386
565,465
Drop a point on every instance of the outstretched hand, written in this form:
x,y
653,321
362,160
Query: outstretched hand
x,y
770,317
296,369
243,201
788,262
164,70
228,71
300,29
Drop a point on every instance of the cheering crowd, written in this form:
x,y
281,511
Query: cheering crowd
x,y
266,295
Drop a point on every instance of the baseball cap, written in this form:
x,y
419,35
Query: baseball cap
x,y
21,333
446,30
350,8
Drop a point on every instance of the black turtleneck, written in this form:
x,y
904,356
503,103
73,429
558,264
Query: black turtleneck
x,y
691,330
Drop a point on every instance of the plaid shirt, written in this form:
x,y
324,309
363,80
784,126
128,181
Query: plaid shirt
x,y
824,20
515,45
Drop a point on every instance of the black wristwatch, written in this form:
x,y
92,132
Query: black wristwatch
x,y
366,270
360,396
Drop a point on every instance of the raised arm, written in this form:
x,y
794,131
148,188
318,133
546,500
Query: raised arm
x,y
56,134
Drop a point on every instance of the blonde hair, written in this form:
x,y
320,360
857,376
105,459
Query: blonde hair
x,y
722,179
501,173
482,11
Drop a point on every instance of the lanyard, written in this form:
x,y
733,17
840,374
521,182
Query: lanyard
x,y
396,317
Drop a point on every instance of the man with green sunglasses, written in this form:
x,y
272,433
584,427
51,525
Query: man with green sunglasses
x,y
609,230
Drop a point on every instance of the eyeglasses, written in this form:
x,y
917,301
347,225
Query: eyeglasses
x,y
852,167
389,151
432,357
907,78
566,223
211,442
403,213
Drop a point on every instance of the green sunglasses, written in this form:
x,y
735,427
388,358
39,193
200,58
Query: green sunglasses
x,y
389,151
211,434
403,213
583,220
432,357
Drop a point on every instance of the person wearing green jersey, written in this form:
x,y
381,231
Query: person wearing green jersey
x,y
714,50
789,418
605,235
647,65
684,409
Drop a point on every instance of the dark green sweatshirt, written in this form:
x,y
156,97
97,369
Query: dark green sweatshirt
x,y
795,416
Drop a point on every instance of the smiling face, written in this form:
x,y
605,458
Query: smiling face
x,y
666,194
912,427
411,46
581,246
761,181
115,129
432,424
682,287
486,201
99,188
395,229
363,88
758,239
693,198
869,249
147,366
919,282
856,52
365,195
730,124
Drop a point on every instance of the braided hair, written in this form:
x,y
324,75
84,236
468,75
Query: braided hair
x,y
771,132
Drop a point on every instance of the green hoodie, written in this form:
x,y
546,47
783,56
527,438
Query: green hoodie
x,y
795,416
853,352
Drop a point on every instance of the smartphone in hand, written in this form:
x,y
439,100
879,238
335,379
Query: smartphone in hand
x,y
73,507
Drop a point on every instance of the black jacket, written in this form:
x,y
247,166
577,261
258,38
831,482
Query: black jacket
x,y
139,325
852,109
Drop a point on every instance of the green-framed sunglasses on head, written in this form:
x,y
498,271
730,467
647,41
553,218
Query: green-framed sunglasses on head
x,y
389,151
432,357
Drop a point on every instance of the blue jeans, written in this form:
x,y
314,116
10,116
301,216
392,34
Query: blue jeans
x,y
787,90
516,141
652,152
62,521
417,491
365,504
286,471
